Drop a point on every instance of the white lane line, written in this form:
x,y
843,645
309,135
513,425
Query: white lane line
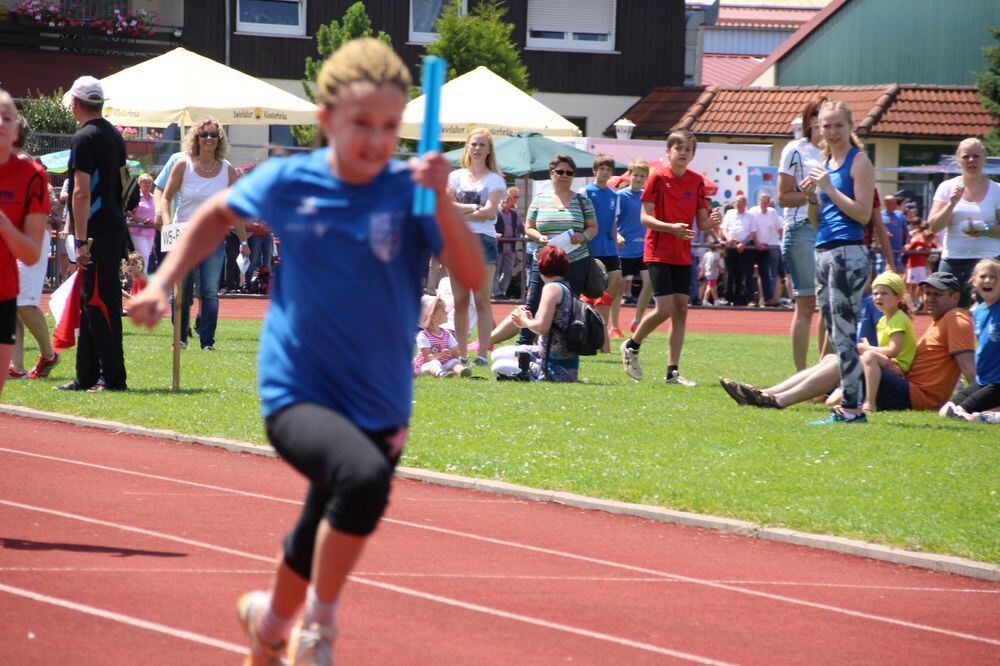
x,y
660,579
648,647
558,553
494,612
124,619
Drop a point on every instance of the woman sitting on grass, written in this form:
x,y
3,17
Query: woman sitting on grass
x,y
550,360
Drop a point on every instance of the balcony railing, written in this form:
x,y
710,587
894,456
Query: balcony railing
x,y
22,33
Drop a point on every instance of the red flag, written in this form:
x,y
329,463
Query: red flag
x,y
65,307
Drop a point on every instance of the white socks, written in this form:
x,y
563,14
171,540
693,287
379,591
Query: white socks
x,y
271,628
317,611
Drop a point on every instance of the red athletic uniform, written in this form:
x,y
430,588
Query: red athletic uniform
x,y
676,200
23,191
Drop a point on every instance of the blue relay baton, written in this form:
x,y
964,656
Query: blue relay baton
x,y
424,201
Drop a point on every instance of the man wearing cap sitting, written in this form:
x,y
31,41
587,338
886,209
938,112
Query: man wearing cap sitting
x,y
97,160
945,351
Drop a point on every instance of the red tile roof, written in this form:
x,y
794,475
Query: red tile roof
x,y
913,110
24,71
660,110
726,70
763,17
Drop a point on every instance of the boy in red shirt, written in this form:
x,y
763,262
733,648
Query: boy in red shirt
x,y
673,200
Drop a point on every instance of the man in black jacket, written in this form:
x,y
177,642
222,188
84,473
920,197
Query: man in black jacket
x,y
96,169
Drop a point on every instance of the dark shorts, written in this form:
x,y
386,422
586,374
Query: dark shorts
x,y
632,266
491,249
893,393
611,263
8,322
669,279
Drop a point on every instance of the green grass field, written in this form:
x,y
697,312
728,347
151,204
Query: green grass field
x,y
906,479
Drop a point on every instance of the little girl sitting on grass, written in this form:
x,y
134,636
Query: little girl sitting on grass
x,y
897,344
435,344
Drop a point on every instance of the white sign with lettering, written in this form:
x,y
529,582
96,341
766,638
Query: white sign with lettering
x,y
170,234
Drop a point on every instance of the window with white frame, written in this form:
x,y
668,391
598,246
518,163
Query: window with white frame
x,y
423,15
271,17
571,25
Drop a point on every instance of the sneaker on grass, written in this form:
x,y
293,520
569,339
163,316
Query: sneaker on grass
x,y
12,373
312,645
630,361
249,608
840,416
677,378
43,366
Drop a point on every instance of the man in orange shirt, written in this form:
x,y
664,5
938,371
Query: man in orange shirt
x,y
946,350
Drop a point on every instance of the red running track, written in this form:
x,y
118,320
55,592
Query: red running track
x,y
117,549
751,321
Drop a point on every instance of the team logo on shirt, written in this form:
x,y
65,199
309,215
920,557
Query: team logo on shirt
x,y
385,235
307,206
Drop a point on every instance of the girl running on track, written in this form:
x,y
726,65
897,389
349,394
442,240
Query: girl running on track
x,y
336,412
24,216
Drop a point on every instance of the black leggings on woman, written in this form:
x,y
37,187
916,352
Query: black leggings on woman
x,y
349,471
978,398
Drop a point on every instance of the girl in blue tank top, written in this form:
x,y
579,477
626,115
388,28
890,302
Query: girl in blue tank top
x,y
841,257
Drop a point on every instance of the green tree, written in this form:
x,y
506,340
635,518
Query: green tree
x,y
45,114
989,90
482,37
329,38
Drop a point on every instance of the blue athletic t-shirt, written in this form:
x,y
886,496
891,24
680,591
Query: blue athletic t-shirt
x,y
834,224
986,321
630,223
346,300
605,201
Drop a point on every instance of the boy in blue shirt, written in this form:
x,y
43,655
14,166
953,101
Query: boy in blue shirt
x,y
634,236
336,408
604,246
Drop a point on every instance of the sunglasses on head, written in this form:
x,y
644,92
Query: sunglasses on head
x,y
208,135
562,172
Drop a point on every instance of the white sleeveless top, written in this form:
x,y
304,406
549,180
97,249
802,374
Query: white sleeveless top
x,y
195,190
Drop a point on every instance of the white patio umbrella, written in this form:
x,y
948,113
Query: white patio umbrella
x,y
480,98
183,87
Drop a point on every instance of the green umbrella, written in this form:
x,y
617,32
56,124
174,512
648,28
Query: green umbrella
x,y
527,154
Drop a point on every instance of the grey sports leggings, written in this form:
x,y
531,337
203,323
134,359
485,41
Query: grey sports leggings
x,y
841,273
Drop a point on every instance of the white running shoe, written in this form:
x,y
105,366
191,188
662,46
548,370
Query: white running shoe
x,y
312,645
630,361
676,378
248,609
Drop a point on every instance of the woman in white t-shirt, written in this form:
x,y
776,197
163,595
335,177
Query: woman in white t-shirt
x,y
967,208
798,241
476,189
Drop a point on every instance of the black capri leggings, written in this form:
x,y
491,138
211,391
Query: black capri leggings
x,y
349,471
978,398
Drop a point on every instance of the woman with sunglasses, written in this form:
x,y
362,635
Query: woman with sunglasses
x,y
558,211
194,179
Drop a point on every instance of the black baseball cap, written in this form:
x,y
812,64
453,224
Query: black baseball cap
x,y
942,280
